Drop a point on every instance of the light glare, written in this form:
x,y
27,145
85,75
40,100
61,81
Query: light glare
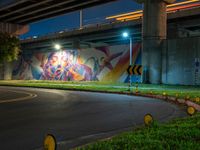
x,y
57,47
125,35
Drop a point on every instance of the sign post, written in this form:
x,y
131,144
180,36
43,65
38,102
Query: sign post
x,y
134,70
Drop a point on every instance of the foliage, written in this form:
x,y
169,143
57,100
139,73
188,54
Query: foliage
x,y
9,47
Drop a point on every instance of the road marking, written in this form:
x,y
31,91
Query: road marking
x,y
30,96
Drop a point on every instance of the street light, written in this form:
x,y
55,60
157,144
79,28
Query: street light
x,y
57,46
126,35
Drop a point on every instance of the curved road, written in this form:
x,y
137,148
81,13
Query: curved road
x,y
28,114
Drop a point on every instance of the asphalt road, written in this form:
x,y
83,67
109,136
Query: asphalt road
x,y
74,118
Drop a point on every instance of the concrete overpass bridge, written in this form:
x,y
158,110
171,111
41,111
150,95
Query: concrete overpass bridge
x,y
184,23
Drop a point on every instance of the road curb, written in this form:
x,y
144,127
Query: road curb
x,y
171,99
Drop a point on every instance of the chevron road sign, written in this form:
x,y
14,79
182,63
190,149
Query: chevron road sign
x,y
135,70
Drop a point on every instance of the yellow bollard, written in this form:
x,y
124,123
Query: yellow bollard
x,y
164,93
148,119
50,142
197,99
191,110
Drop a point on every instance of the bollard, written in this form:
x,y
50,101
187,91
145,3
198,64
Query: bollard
x,y
148,119
197,99
50,142
165,95
151,92
191,110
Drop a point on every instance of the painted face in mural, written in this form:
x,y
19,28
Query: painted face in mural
x,y
59,59
57,64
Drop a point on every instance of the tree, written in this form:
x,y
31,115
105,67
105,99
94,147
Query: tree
x,y
9,47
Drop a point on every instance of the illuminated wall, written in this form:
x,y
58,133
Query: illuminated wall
x,y
94,64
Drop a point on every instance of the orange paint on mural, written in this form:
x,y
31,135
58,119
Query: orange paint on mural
x,y
122,65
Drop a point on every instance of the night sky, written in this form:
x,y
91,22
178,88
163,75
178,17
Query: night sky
x,y
71,20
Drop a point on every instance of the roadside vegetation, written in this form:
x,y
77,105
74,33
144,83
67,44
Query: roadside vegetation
x,y
180,134
190,92
9,47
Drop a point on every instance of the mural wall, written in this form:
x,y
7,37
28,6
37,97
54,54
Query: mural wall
x,y
94,64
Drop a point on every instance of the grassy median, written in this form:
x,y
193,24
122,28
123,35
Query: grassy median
x,y
193,92
181,134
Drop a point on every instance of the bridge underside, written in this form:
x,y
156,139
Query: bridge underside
x,y
180,24
28,11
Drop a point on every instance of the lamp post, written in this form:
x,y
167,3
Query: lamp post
x,y
126,35
81,19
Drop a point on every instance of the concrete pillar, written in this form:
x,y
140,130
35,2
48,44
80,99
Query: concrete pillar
x,y
13,29
154,33
8,68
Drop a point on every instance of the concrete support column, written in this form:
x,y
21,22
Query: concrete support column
x,y
13,29
154,33
8,68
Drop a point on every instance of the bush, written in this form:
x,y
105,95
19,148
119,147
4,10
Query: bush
x,y
9,47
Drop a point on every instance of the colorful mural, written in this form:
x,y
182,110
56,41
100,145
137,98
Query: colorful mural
x,y
94,64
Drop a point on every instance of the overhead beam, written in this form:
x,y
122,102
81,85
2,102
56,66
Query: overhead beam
x,y
28,11
10,19
56,11
12,5
23,9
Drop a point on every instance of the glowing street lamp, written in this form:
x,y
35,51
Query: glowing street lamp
x,y
127,36
57,46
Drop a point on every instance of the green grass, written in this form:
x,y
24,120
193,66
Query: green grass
x,y
181,134
171,90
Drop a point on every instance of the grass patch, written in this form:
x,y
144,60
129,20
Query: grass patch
x,y
181,134
193,92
